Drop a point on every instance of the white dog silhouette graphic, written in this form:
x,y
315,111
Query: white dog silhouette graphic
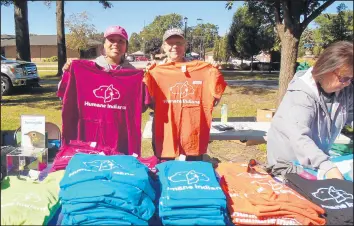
x,y
27,197
252,175
107,93
101,165
271,183
331,193
191,177
182,89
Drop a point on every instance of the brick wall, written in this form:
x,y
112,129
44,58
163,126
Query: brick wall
x,y
38,53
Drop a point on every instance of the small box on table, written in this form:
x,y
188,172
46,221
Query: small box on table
x,y
26,161
265,115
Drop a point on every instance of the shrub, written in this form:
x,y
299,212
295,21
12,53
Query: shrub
x,y
310,62
245,66
264,66
227,66
53,59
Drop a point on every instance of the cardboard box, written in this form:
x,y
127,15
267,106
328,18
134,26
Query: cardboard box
x,y
265,115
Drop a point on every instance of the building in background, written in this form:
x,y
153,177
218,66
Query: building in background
x,y
45,46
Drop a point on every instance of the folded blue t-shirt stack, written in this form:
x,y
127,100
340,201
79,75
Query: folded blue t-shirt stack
x,y
190,194
106,190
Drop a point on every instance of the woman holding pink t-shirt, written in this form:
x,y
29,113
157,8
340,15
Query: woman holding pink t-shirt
x,y
115,46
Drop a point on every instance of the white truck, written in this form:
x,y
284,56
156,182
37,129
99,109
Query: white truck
x,y
17,73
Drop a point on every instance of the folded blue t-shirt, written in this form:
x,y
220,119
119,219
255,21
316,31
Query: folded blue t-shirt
x,y
145,210
195,221
192,212
178,203
118,168
101,213
190,194
189,180
101,188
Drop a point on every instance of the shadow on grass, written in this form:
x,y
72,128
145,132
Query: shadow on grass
x,y
250,74
17,91
213,160
39,97
255,91
37,101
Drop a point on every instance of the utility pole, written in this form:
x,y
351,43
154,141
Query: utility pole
x,y
185,32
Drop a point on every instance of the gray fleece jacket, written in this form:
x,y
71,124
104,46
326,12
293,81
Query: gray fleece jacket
x,y
302,129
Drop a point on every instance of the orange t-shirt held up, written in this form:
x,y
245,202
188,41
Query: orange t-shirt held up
x,y
184,94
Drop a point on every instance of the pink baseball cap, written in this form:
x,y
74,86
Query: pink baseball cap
x,y
116,30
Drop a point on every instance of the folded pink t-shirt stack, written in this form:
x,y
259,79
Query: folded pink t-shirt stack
x,y
66,152
150,162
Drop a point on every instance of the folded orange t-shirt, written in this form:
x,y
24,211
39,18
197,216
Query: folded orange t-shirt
x,y
257,193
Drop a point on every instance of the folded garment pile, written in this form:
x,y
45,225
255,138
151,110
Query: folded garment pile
x,y
190,194
66,152
333,195
255,198
29,202
106,190
344,164
341,149
150,162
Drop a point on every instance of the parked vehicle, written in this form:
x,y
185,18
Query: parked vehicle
x,y
130,58
141,58
245,61
17,73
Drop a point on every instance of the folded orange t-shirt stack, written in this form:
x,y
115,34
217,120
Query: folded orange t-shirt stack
x,y
255,198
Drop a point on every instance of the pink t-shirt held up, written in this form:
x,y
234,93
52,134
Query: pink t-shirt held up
x,y
103,107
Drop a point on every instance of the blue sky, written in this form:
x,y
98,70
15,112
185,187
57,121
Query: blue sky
x,y
131,15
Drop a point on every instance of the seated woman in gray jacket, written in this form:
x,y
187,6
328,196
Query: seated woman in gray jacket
x,y
317,105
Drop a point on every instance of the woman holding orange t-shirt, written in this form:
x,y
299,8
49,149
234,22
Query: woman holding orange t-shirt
x,y
183,96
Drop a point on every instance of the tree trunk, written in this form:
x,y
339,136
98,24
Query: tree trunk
x,y
252,63
289,50
61,36
23,49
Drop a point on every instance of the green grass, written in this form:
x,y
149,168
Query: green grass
x,y
42,101
227,75
241,101
232,75
48,75
47,68
45,63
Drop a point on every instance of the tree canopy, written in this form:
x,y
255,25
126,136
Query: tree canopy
x,y
80,31
290,19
